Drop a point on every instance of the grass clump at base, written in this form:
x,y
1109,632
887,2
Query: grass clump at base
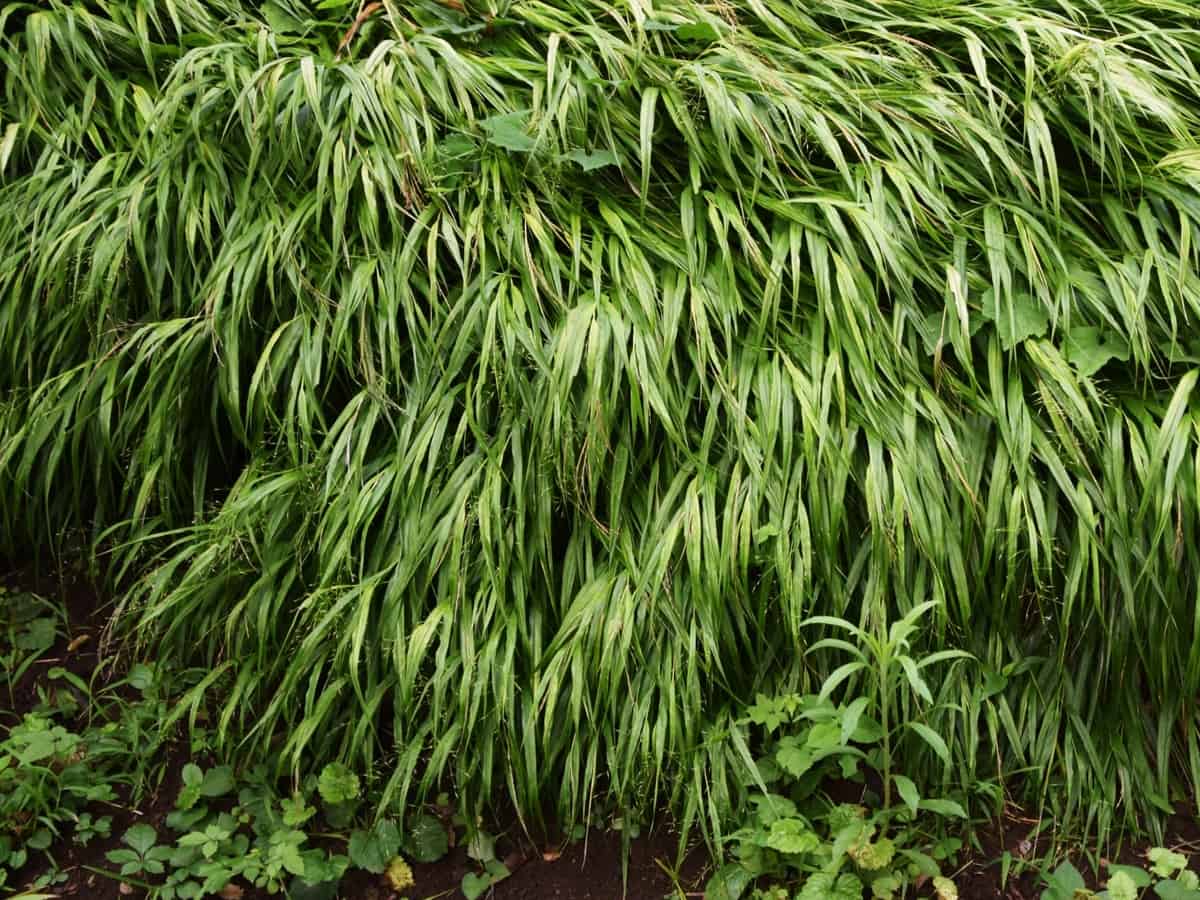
x,y
491,399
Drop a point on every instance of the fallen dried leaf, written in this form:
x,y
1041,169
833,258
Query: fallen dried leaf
x,y
78,642
367,10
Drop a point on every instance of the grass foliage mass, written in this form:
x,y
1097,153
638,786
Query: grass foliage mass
x,y
488,391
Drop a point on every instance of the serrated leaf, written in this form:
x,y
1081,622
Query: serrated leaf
x,y
822,737
1088,348
944,888
1139,877
141,838
481,847
793,758
773,806
873,855
1026,318
1066,879
337,784
885,887
217,782
367,853
1165,863
792,836
824,886
1121,887
427,841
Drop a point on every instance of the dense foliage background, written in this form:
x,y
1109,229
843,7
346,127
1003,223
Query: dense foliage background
x,y
487,392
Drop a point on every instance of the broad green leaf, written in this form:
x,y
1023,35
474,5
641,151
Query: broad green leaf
x,y
141,838
728,883
509,131
1165,863
337,784
589,160
1121,887
427,841
1026,318
1175,890
943,807
792,836
217,782
1088,348
474,885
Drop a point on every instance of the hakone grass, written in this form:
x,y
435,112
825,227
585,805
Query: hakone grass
x,y
488,395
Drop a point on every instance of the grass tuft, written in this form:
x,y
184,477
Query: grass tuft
x,y
490,401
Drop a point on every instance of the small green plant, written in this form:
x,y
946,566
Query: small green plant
x,y
30,627
141,854
339,789
47,779
262,840
90,827
1168,878
793,832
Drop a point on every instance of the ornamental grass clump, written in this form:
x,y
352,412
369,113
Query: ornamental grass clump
x,y
488,391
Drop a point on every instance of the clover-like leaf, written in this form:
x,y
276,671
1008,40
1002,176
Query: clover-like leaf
x,y
140,838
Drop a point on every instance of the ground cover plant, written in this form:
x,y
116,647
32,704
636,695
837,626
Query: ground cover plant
x,y
486,393
81,750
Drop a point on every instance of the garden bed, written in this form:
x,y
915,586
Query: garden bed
x,y
591,867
